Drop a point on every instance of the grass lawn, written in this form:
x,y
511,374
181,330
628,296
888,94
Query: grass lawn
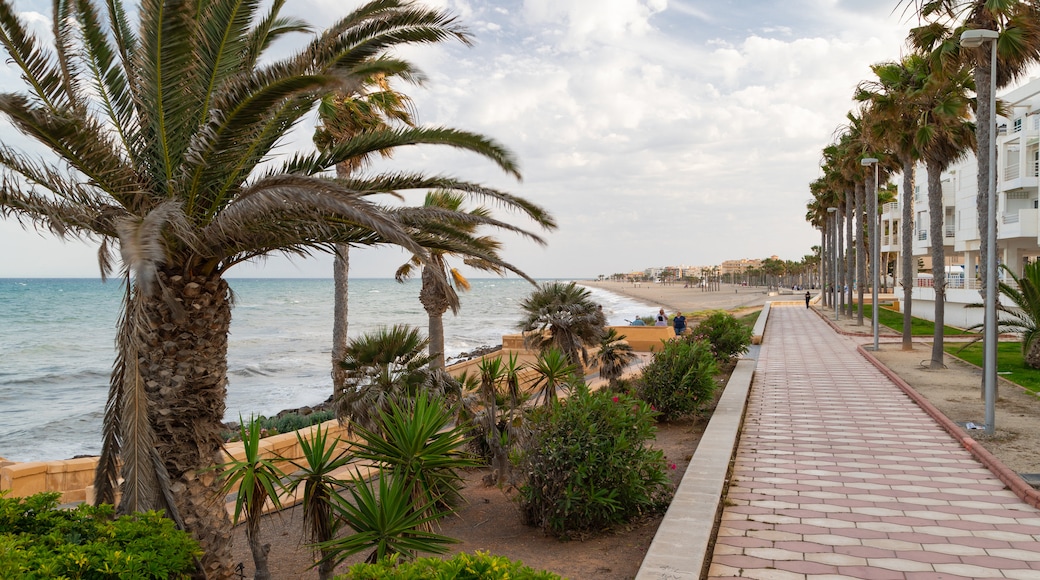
x,y
749,320
918,327
1010,364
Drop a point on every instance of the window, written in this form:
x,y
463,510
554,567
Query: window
x,y
1018,125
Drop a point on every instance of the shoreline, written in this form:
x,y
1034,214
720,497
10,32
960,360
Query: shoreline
x,y
674,298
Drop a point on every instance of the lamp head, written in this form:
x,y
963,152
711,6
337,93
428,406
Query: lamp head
x,y
832,209
974,38
868,161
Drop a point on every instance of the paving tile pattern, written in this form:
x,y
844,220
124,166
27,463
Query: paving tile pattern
x,y
839,474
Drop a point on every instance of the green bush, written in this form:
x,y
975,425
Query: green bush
x,y
288,423
679,379
478,566
727,335
589,465
38,540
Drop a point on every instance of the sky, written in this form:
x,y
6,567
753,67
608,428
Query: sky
x,y
656,132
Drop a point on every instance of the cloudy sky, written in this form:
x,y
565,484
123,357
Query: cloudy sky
x,y
657,132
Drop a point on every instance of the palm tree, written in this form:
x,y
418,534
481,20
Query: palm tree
x,y
946,134
614,355
895,119
342,117
564,316
441,282
381,367
162,139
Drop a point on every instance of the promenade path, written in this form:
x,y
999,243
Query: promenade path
x,y
839,474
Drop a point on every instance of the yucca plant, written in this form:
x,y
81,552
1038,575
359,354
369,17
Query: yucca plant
x,y
418,442
316,472
256,480
384,519
555,372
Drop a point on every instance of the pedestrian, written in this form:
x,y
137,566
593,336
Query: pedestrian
x,y
807,297
679,324
637,322
662,318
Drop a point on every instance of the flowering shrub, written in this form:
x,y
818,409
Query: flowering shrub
x,y
727,336
680,378
478,566
589,464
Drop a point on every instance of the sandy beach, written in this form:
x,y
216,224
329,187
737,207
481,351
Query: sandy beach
x,y
674,298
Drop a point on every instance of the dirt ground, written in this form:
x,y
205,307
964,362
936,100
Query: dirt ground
x,y
489,520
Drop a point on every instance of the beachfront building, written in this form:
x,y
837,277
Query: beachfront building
x,y
1018,215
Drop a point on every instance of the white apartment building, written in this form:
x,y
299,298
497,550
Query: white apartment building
x,y
1018,216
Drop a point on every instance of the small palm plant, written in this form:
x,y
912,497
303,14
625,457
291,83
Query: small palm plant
x,y
256,480
386,365
317,473
1023,315
562,316
555,371
614,355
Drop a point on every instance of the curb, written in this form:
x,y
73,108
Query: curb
x,y
1016,484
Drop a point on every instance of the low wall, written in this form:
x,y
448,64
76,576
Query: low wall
x,y
74,478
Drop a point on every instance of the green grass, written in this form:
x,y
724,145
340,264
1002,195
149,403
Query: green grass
x,y
1010,364
749,320
918,326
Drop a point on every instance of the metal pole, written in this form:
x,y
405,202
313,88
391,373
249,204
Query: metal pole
x,y
989,363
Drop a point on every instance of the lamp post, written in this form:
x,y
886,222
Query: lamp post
x,y
834,250
975,39
875,247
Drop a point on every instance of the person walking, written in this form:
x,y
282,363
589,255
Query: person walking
x,y
807,298
679,324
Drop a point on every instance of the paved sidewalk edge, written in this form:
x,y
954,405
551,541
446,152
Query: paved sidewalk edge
x,y
1023,490
681,547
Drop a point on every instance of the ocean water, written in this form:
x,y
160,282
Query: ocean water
x,y
57,347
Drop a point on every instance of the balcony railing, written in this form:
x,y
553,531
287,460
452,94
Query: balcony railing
x,y
959,282
890,207
949,231
1011,172
1011,218
922,235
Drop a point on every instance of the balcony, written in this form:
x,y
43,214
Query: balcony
x,y
922,235
1021,223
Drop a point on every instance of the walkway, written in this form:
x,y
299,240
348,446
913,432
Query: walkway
x,y
839,474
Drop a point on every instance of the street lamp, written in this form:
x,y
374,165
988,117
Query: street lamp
x,y
875,247
834,250
975,39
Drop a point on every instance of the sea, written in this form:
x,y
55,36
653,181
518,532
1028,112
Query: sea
x,y
57,341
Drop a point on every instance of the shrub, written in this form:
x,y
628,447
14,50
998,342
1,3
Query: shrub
x,y
285,424
478,566
39,540
589,466
727,335
680,378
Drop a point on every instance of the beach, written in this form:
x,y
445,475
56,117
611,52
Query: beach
x,y
675,298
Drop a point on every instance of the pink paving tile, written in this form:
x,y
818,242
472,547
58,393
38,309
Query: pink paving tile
x,y
870,573
994,562
864,551
802,567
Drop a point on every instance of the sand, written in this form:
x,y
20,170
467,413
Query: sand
x,y
674,298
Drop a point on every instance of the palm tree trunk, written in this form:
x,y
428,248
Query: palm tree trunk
x,y
824,269
984,131
258,550
182,359
935,231
436,304
840,249
340,310
906,244
861,254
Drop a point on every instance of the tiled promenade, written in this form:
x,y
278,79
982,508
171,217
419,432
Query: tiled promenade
x,y
839,474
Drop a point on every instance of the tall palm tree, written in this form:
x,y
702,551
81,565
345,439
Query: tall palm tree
x,y
895,118
946,133
440,281
342,117
562,316
162,141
